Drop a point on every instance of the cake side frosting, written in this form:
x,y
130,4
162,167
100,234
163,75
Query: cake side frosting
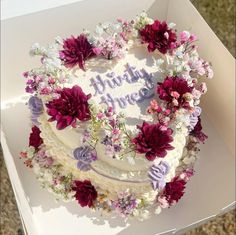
x,y
115,115
131,173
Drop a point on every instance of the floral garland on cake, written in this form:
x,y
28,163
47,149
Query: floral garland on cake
x,y
179,95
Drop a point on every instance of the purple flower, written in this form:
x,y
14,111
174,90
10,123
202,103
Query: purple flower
x,y
85,155
36,107
107,140
70,106
76,51
125,204
157,175
117,147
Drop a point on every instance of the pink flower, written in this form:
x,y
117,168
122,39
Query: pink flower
x,y
116,131
25,74
70,106
174,190
163,202
100,115
203,87
97,50
35,140
154,107
174,90
185,175
110,47
153,140
192,38
23,154
76,51
185,36
158,36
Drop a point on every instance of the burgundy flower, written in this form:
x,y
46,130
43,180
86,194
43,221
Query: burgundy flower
x,y
76,51
174,190
197,131
153,140
35,140
70,106
158,36
85,193
174,90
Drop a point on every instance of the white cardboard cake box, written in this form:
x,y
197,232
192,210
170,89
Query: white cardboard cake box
x,y
209,193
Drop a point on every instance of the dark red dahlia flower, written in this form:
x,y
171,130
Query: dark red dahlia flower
x,y
70,106
76,51
174,89
153,140
197,132
174,190
35,140
85,192
158,36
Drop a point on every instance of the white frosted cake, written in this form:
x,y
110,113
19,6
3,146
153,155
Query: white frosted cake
x,y
115,116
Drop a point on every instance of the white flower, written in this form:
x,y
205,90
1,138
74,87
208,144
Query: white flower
x,y
149,197
145,214
159,62
171,25
158,210
60,186
58,40
131,160
37,169
36,49
189,160
142,20
141,214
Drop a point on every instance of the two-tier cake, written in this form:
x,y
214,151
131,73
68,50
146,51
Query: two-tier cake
x,y
115,115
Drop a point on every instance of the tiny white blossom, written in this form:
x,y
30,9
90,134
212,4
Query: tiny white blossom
x,y
171,25
158,210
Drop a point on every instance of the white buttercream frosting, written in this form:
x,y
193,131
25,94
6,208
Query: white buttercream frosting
x,y
111,174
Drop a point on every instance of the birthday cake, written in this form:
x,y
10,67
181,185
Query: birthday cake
x,y
115,116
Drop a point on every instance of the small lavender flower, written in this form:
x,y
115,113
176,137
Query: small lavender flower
x,y
107,140
117,148
157,175
125,204
36,107
194,117
85,155
42,159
